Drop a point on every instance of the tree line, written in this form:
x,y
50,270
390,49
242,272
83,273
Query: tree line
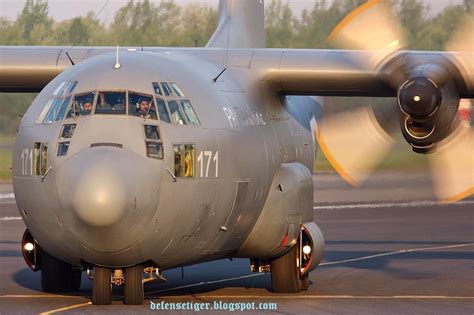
x,y
145,23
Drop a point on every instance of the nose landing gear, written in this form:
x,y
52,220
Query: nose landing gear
x,y
133,286
102,286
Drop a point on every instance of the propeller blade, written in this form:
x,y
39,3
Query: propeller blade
x,y
452,165
463,41
372,27
354,143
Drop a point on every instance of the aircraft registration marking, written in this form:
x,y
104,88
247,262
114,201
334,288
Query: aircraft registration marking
x,y
204,159
27,162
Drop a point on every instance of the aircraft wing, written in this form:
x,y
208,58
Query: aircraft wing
x,y
287,71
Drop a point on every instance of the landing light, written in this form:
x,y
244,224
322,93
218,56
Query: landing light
x,y
306,249
417,98
29,246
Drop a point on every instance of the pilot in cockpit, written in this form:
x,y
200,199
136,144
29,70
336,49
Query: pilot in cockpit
x,y
144,109
87,105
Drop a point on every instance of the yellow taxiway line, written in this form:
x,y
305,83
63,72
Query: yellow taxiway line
x,y
67,308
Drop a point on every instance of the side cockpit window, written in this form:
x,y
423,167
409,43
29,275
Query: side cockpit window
x,y
141,105
189,111
177,116
111,103
57,105
179,110
163,111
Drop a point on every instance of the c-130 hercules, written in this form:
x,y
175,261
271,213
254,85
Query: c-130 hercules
x,y
134,161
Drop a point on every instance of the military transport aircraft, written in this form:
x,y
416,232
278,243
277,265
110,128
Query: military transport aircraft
x,y
135,160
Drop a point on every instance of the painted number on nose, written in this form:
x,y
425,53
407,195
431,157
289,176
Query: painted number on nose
x,y
27,162
205,159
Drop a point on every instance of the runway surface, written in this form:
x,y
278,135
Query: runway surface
x,y
390,249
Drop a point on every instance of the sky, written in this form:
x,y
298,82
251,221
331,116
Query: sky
x,y
66,9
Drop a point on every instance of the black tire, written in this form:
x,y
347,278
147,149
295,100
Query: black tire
x,y
305,283
102,286
76,279
57,275
285,275
133,287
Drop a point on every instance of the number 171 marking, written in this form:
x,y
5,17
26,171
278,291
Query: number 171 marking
x,y
211,156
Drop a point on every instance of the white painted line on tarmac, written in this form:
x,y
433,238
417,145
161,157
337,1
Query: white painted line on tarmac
x,y
328,263
206,282
314,296
7,196
391,205
10,218
403,251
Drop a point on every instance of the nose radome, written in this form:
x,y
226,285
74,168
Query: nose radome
x,y
104,185
100,197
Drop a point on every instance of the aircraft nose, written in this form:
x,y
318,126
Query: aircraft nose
x,y
106,186
99,197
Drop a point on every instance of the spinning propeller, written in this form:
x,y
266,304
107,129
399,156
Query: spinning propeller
x,y
428,99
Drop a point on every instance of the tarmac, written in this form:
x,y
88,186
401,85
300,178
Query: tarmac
x,y
390,249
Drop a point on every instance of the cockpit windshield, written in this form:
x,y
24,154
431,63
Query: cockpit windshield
x,y
111,103
168,103
81,105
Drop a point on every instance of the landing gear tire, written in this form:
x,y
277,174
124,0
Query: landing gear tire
x,y
304,283
57,275
102,286
285,274
133,287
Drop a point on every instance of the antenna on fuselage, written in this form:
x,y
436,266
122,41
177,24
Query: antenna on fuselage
x,y
117,63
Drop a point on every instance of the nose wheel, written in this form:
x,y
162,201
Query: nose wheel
x,y
102,286
133,287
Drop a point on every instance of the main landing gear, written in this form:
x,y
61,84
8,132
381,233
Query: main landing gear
x,y
133,285
57,275
290,271
286,276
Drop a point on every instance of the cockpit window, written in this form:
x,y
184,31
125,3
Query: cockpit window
x,y
177,116
179,111
56,107
152,133
141,105
164,116
154,145
53,111
177,90
81,105
166,89
111,103
189,111
157,88
65,88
